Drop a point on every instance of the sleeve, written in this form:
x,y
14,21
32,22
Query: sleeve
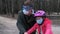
x,y
32,29
19,23
48,28
19,19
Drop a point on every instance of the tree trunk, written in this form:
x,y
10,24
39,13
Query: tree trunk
x,y
12,8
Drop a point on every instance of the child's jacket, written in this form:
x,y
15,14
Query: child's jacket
x,y
46,27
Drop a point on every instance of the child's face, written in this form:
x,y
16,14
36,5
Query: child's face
x,y
37,18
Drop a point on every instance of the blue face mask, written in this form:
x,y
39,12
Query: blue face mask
x,y
40,21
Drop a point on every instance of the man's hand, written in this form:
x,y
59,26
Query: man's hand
x,y
25,33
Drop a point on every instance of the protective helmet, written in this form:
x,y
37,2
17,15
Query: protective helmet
x,y
40,13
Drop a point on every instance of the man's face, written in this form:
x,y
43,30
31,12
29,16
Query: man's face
x,y
29,12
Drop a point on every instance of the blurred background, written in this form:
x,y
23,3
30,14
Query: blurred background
x,y
11,7
9,11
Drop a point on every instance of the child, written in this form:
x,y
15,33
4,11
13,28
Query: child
x,y
43,24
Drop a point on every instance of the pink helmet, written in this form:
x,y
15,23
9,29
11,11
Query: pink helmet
x,y
39,13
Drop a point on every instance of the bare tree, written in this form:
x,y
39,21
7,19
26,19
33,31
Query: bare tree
x,y
58,8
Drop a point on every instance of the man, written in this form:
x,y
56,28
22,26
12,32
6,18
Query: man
x,y
25,19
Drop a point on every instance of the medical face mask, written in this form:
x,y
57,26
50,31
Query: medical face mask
x,y
39,21
25,12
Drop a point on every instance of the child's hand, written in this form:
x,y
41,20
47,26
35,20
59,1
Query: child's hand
x,y
25,33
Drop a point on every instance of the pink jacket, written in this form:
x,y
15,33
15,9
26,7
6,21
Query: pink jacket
x,y
46,27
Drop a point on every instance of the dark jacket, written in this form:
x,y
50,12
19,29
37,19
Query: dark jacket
x,y
25,22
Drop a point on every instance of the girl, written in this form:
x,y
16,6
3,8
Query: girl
x,y
43,24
